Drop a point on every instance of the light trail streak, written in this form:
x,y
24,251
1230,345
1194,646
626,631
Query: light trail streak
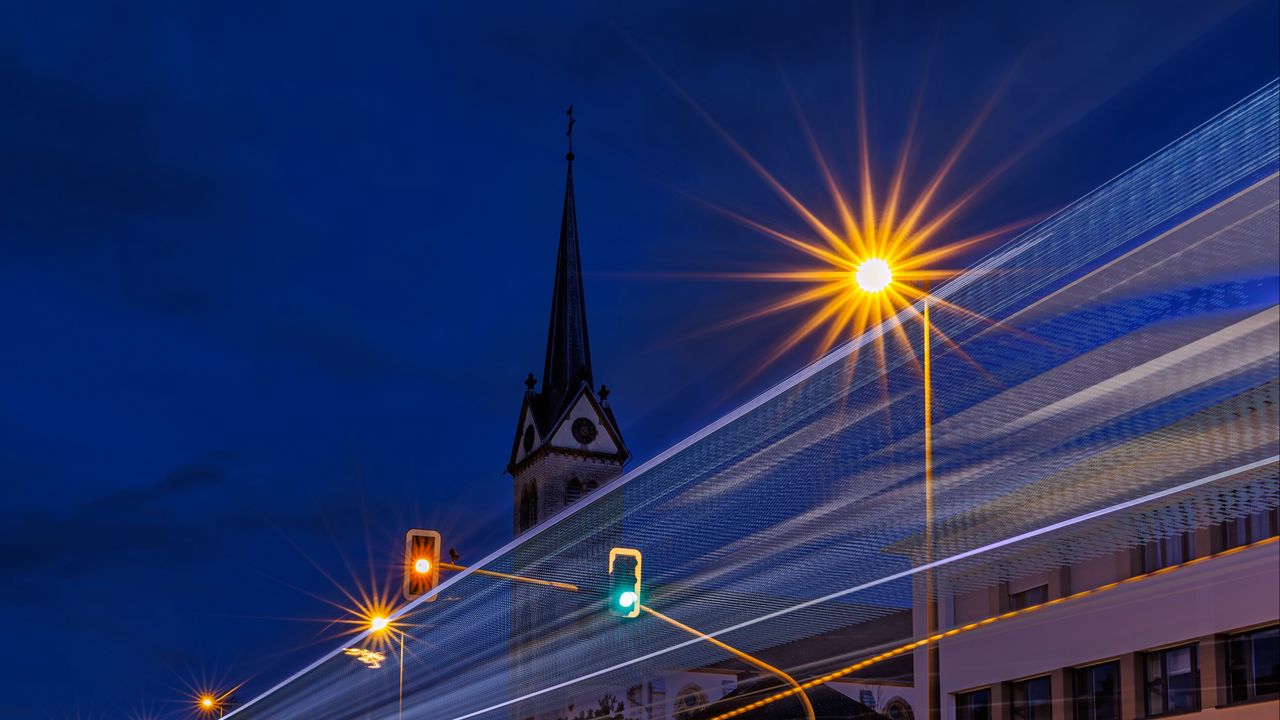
x,y
933,640
1012,540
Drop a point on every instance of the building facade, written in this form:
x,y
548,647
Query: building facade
x,y
1185,625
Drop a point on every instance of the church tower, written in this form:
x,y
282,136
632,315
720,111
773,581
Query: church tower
x,y
567,441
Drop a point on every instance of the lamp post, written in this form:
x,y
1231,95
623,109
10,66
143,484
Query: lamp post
x,y
872,276
379,624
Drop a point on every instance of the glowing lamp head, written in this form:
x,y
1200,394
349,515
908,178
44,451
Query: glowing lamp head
x,y
422,566
873,275
378,624
627,600
206,702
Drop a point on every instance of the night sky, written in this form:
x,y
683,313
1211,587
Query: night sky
x,y
271,276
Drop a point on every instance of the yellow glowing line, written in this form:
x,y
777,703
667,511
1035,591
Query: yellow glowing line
x,y
837,674
795,686
515,578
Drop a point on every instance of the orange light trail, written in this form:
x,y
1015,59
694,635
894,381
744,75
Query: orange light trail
x,y
795,687
937,637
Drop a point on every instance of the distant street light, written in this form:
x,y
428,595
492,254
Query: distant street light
x,y
208,703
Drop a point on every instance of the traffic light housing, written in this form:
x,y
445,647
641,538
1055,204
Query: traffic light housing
x,y
421,562
624,596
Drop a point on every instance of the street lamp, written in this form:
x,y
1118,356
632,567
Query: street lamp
x,y
873,276
380,625
207,703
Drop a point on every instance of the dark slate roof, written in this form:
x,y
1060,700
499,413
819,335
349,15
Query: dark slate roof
x,y
827,704
568,362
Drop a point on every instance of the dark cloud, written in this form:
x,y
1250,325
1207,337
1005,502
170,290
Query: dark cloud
x,y
133,525
179,481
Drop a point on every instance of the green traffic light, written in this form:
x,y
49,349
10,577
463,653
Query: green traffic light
x,y
627,599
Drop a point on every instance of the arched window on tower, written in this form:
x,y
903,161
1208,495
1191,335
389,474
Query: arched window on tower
x,y
528,507
572,491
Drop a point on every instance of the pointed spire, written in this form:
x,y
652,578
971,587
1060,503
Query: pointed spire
x,y
568,362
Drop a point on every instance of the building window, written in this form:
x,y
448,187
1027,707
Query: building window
x,y
1253,664
689,701
1028,597
1170,551
898,709
1096,693
592,485
658,699
1250,528
1172,681
528,507
1031,699
572,491
974,705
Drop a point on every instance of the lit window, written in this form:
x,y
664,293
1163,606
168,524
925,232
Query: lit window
x,y
1172,682
1253,664
1028,597
974,705
1031,699
1097,692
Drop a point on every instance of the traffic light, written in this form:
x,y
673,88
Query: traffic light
x,y
624,582
421,562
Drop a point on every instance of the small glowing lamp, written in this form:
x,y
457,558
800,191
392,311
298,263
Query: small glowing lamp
x,y
206,702
422,566
378,624
873,275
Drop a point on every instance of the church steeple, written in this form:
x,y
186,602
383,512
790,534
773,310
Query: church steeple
x,y
567,441
568,362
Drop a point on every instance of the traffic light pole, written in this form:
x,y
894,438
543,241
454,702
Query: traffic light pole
x,y
514,578
804,698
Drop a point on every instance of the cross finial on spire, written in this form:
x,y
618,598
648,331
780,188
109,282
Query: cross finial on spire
x,y
569,133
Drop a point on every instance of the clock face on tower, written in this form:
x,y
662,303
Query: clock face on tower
x,y
584,431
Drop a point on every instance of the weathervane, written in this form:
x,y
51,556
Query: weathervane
x,y
569,133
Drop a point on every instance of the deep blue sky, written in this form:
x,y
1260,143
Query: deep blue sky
x,y
273,275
